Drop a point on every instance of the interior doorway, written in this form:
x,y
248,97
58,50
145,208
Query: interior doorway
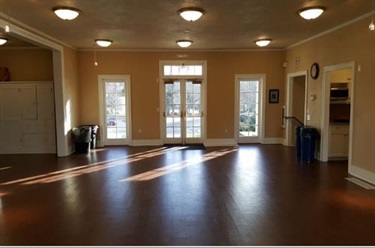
x,y
336,125
296,104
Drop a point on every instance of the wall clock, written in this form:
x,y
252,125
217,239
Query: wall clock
x,y
314,71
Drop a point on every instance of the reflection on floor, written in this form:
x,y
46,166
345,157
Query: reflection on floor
x,y
248,195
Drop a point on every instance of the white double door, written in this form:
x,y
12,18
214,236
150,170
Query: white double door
x,y
183,111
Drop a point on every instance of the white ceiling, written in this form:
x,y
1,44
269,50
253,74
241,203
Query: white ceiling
x,y
156,24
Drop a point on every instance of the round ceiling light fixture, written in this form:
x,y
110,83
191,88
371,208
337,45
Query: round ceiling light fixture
x,y
66,13
191,14
311,13
103,43
184,43
263,42
3,41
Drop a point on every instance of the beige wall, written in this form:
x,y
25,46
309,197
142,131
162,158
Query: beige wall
x,y
351,43
71,88
143,68
28,64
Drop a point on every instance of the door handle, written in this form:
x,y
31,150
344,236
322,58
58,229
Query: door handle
x,y
201,113
164,114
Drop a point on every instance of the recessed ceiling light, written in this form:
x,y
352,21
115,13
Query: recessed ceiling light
x,y
311,13
66,13
103,43
191,14
262,42
3,41
184,43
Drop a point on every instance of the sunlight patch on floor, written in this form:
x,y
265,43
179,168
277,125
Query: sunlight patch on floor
x,y
90,168
149,175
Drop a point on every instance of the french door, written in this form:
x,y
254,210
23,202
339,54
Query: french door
x,y
183,111
248,109
115,110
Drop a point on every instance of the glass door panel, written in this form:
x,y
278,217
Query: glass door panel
x,y
173,110
115,111
193,110
183,112
248,111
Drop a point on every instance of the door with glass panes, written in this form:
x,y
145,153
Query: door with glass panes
x,y
116,111
182,111
248,106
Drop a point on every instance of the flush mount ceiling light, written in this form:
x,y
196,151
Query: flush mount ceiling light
x,y
184,43
262,42
191,14
103,43
66,13
372,25
311,13
3,41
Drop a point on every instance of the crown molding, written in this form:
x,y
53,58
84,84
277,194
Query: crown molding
x,y
332,29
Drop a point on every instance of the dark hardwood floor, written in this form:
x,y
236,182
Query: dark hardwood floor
x,y
250,195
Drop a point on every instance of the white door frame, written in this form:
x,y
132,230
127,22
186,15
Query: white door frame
x,y
324,126
262,86
289,104
203,95
102,121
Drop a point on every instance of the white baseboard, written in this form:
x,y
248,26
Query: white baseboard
x,y
271,141
151,142
220,142
365,175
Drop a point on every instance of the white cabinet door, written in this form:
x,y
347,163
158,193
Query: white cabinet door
x,y
339,141
10,133
27,97
10,103
45,102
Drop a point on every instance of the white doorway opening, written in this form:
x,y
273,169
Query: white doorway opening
x,y
296,104
325,123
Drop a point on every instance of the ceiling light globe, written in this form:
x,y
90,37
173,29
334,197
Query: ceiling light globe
x,y
184,43
371,26
103,43
191,14
311,13
263,42
3,41
66,13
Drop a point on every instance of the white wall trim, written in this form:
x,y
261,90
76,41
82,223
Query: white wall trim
x,y
362,174
289,103
220,142
273,141
34,32
332,29
150,142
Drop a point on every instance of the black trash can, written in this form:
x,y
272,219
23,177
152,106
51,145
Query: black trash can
x,y
298,141
82,138
308,143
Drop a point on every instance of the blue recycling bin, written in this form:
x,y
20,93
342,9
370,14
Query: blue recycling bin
x,y
308,136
